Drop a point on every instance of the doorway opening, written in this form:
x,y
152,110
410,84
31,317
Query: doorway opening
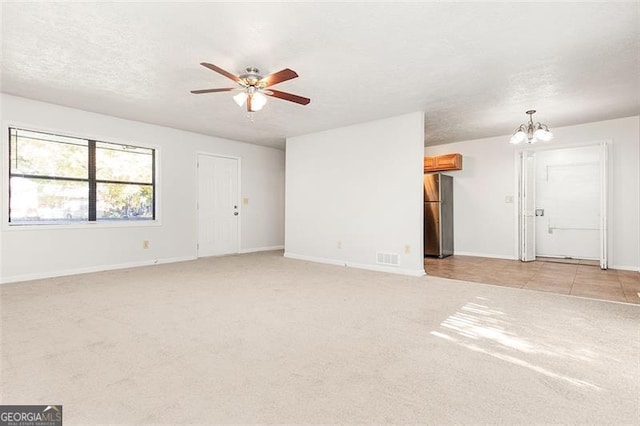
x,y
563,204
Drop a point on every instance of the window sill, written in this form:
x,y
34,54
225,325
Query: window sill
x,y
82,225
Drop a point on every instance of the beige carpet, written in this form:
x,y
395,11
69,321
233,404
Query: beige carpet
x,y
260,338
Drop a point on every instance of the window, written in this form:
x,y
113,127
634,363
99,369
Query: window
x,y
60,179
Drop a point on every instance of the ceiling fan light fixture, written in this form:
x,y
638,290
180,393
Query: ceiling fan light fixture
x,y
258,100
530,132
240,98
253,87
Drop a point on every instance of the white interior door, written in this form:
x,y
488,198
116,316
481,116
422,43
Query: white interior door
x,y
526,207
568,196
218,205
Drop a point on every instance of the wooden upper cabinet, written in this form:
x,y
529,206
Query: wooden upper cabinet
x,y
443,162
429,162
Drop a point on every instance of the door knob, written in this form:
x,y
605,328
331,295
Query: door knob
x,y
235,213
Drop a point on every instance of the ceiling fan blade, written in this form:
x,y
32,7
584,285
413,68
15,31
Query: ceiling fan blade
x,y
227,89
221,71
287,96
277,77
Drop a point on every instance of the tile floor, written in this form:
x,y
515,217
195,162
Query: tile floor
x,y
562,278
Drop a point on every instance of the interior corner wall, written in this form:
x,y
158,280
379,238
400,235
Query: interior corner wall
x,y
34,252
355,191
485,223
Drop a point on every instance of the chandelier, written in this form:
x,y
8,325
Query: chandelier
x,y
530,132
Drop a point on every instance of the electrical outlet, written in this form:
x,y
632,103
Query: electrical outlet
x,y
407,249
146,244
339,244
245,201
508,199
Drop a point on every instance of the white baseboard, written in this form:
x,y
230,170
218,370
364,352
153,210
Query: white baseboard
x,y
492,256
256,249
314,259
76,271
625,268
377,268
389,269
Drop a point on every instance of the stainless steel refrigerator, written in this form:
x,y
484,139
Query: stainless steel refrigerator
x,y
438,215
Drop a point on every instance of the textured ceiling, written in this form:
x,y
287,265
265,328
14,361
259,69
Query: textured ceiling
x,y
473,68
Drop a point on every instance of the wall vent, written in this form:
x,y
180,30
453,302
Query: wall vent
x,y
389,259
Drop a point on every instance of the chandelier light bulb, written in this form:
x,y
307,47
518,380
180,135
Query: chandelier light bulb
x,y
543,135
518,137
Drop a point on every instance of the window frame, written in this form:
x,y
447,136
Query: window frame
x,y
5,169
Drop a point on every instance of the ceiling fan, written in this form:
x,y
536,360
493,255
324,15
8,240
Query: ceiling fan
x,y
253,87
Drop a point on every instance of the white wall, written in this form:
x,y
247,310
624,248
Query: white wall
x,y
360,188
486,226
33,252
